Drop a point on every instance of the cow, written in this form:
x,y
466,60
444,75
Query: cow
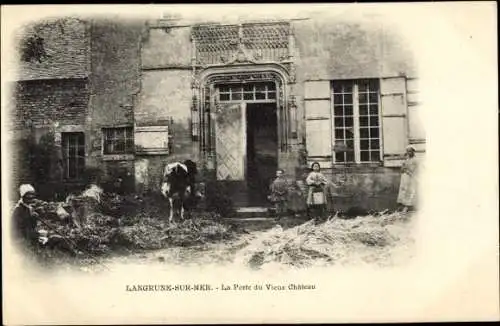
x,y
178,182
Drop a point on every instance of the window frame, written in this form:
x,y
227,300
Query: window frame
x,y
66,157
356,122
126,151
243,92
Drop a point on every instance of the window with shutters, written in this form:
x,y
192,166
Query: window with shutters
x,y
73,153
118,140
356,121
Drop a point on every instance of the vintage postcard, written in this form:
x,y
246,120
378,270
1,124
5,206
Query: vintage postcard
x,y
250,163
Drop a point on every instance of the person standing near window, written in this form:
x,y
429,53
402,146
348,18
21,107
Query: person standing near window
x,y
408,184
316,182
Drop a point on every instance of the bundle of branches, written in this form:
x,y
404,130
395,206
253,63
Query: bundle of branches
x,y
93,237
51,210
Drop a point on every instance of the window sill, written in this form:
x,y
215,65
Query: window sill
x,y
153,152
118,157
375,167
357,165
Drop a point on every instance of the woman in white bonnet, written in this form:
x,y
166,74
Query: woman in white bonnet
x,y
24,218
408,185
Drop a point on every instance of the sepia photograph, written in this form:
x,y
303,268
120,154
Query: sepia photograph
x,y
162,158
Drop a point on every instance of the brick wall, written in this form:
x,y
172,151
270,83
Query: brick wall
x,y
105,51
18,167
51,89
45,101
66,44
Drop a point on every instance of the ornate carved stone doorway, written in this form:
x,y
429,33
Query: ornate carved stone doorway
x,y
230,62
230,100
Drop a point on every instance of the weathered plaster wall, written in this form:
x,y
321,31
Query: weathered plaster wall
x,y
165,99
344,48
115,70
170,48
115,83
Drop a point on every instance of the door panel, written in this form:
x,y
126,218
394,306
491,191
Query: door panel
x,y
230,144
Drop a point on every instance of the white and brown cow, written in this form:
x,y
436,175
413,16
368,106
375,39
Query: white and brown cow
x,y
178,185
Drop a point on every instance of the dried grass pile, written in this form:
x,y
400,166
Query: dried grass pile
x,y
363,240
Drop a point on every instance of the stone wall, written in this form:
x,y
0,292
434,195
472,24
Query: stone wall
x,y
363,188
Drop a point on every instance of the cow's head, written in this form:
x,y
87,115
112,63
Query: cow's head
x,y
191,166
174,169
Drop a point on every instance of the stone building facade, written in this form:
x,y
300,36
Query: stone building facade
x,y
240,99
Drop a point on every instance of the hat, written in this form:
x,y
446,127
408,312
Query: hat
x,y
26,188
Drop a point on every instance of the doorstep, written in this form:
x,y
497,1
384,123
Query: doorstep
x,y
252,212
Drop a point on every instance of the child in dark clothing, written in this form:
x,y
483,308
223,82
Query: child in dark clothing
x,y
279,193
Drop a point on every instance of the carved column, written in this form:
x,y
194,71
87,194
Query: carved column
x,y
292,106
195,112
291,53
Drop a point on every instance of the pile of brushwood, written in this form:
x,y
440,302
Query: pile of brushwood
x,y
380,239
119,224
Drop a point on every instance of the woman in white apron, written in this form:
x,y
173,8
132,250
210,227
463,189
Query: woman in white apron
x,y
316,182
408,184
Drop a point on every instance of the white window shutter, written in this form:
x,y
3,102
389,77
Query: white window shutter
x,y
317,103
394,119
152,139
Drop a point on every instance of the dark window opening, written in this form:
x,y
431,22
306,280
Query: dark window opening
x,y
118,140
73,153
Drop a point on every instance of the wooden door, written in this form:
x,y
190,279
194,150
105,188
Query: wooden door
x,y
230,144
